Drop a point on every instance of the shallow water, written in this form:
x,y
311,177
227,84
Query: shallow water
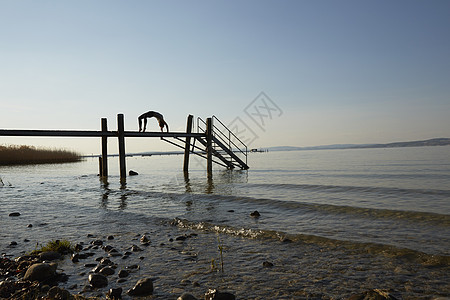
x,y
355,219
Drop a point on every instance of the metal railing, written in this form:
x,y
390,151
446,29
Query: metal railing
x,y
225,137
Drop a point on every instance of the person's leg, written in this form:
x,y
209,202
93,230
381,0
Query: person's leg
x,y
145,124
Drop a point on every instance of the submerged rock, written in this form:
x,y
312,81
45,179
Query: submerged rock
x,y
14,214
143,287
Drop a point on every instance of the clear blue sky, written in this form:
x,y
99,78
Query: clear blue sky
x,y
339,71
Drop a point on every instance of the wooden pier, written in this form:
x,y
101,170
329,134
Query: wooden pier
x,y
229,152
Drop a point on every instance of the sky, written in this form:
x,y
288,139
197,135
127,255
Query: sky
x,y
281,73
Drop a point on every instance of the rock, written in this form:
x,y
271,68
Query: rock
x,y
14,214
40,272
181,238
106,262
133,173
30,225
78,247
97,242
90,265
107,271
186,296
267,264
374,294
98,280
75,258
12,244
123,273
50,255
114,294
110,237
216,295
145,240
255,214
135,248
58,293
143,287
108,248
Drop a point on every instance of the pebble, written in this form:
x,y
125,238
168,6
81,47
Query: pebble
x,y
107,271
255,214
123,273
145,240
14,214
186,296
214,294
50,255
143,287
98,280
114,294
267,264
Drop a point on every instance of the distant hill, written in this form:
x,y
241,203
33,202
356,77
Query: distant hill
x,y
431,142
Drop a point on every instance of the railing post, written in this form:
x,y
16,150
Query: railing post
x,y
104,159
188,143
209,147
121,138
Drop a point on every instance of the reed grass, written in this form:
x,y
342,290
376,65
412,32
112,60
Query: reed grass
x,y
22,154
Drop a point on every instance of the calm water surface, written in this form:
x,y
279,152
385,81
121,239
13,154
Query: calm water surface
x,y
355,219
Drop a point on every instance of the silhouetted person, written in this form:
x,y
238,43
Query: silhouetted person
x,y
152,114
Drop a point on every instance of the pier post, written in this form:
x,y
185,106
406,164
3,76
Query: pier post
x,y
121,138
100,168
187,143
209,147
104,159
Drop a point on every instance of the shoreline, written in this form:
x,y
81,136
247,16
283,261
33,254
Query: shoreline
x,y
180,260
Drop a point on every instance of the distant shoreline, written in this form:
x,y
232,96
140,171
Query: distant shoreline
x,y
423,143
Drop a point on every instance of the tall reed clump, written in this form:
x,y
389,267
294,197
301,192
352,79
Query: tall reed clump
x,y
22,154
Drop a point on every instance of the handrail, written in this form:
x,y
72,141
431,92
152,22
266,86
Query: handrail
x,y
229,140
225,137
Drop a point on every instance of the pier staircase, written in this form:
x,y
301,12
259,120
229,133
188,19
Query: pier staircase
x,y
226,148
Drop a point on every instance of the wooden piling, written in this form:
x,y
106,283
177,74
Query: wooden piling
x,y
121,138
188,143
100,168
104,158
209,147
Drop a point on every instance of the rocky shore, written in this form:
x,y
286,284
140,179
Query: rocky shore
x,y
106,276
36,276
179,261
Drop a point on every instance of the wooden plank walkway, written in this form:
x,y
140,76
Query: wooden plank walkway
x,y
206,138
90,133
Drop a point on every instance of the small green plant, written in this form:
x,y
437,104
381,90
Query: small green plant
x,y
220,246
60,246
213,264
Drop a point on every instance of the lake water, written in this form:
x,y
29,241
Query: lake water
x,y
333,222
